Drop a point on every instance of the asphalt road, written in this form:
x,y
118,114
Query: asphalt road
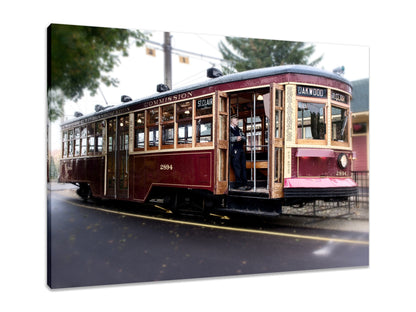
x,y
92,245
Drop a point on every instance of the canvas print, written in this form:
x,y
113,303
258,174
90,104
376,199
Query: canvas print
x,y
175,156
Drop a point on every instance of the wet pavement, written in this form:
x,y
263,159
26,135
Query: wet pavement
x,y
90,247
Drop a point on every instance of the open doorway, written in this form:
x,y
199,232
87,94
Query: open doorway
x,y
249,108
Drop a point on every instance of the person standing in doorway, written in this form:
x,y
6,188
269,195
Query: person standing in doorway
x,y
238,155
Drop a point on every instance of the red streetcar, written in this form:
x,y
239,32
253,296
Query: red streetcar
x,y
174,146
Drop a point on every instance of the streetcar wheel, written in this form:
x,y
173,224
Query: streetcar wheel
x,y
84,191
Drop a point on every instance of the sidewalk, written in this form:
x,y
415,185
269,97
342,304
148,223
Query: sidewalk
x,y
329,216
330,223
55,186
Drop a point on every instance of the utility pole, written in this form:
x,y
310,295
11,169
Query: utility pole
x,y
167,48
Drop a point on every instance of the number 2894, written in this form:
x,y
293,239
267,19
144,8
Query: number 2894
x,y
166,167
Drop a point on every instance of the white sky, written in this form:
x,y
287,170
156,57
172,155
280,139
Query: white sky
x,y
140,73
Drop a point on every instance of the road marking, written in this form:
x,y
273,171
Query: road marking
x,y
226,228
164,209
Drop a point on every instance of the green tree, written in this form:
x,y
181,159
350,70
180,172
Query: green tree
x,y
257,53
80,58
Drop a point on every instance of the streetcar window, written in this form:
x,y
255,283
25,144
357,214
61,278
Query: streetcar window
x,y
65,144
153,127
184,120
204,130
91,145
153,136
279,114
77,141
339,123
139,138
70,143
167,113
279,123
111,135
99,137
91,129
65,149
139,131
123,133
254,130
185,133
91,138
83,132
204,107
77,147
278,176
99,145
153,115
311,121
168,136
124,142
110,143
204,120
123,123
184,111
83,141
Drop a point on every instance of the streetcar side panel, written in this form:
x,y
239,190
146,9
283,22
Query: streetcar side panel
x,y
318,174
84,170
190,170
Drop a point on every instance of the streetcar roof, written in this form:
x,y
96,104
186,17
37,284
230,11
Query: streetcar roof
x,y
240,76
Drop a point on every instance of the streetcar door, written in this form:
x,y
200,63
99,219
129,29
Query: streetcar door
x,y
276,141
221,142
117,179
110,182
122,157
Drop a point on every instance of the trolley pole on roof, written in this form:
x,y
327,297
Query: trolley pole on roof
x,y
167,48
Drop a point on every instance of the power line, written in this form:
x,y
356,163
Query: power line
x,y
192,78
188,52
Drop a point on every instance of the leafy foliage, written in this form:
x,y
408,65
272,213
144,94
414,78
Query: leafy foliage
x,y
80,58
257,53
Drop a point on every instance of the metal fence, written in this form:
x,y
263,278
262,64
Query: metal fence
x,y
356,206
362,179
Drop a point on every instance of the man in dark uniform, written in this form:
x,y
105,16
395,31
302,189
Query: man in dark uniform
x,y
238,155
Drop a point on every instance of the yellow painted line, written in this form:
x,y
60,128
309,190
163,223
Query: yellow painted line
x,y
296,236
164,209
219,216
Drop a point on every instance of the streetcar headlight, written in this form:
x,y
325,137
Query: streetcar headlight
x,y
342,161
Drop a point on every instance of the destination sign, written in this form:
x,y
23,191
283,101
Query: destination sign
x,y
311,92
204,103
339,97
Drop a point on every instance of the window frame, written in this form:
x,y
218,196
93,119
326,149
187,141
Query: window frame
x,y
77,141
84,141
324,102
152,127
139,126
65,143
158,125
347,127
99,136
204,117
169,124
186,122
